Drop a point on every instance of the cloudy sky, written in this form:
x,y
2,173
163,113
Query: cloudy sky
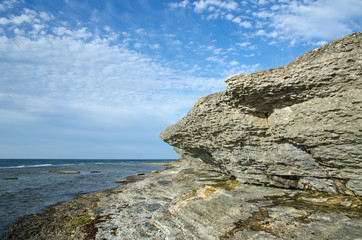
x,y
101,79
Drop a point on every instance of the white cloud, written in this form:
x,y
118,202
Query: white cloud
x,y
81,33
229,16
217,50
244,24
213,16
241,69
273,43
137,45
263,33
204,4
155,46
249,55
76,71
183,4
262,2
170,35
140,31
243,44
8,4
323,19
263,14
177,42
320,43
29,16
275,7
246,45
234,63
213,59
107,28
45,16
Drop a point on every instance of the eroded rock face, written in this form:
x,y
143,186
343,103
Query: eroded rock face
x,y
297,126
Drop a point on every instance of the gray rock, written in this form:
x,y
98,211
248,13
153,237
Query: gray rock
x,y
120,181
64,172
297,126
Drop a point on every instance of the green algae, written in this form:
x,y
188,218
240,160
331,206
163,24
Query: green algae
x,y
73,223
227,185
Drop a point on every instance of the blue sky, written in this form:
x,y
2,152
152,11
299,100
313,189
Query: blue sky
x,y
101,79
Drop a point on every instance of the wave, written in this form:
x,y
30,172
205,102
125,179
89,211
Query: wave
x,y
29,166
23,164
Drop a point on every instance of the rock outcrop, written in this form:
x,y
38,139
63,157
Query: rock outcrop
x,y
298,126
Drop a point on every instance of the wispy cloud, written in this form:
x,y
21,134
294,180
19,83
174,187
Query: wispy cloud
x,y
245,24
211,5
76,78
322,19
184,3
8,4
286,20
236,68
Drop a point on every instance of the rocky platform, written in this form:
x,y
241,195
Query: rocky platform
x,y
275,156
190,200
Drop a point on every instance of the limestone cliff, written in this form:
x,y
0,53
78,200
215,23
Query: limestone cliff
x,y
297,126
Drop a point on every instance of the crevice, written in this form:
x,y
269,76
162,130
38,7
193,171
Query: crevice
x,y
266,116
298,146
254,223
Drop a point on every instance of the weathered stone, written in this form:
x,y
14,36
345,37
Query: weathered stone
x,y
297,126
64,172
120,181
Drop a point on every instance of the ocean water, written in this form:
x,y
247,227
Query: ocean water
x,y
27,186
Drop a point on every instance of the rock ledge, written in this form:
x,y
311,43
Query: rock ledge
x,y
296,127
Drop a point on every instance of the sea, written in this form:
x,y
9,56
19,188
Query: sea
x,y
27,186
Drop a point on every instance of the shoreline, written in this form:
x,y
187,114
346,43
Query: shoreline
x,y
72,211
165,164
127,179
180,202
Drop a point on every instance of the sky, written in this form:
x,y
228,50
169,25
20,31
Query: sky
x,y
102,78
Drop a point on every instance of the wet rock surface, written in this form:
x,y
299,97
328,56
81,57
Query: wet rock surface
x,y
190,200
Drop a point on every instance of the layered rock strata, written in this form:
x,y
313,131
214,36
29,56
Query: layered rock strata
x,y
298,126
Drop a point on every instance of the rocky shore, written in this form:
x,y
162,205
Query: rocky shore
x,y
190,200
275,156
